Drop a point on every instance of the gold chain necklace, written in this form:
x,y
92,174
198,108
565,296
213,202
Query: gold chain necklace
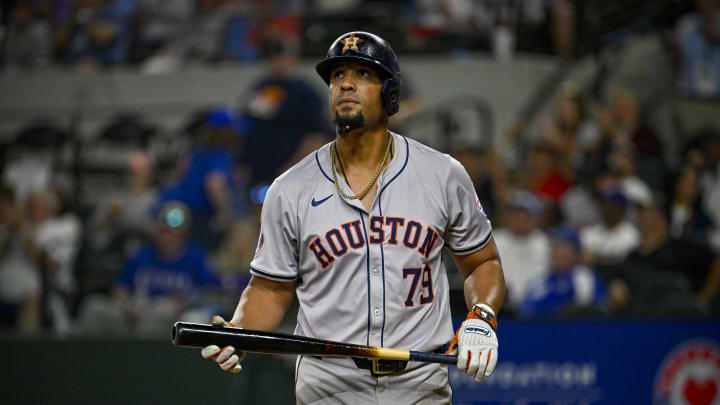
x,y
367,189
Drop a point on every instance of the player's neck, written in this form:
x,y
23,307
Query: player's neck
x,y
362,147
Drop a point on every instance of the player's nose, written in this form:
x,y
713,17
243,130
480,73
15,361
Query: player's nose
x,y
347,84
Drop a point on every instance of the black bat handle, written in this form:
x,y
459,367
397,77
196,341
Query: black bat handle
x,y
433,357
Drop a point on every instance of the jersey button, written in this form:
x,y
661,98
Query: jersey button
x,y
376,271
377,312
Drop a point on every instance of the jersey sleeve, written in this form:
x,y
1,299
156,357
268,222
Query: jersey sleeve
x,y
468,229
276,256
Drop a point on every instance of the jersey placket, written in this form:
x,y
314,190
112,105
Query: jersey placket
x,y
376,277
374,272
375,266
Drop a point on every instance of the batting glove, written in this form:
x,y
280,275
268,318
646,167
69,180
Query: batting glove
x,y
477,344
227,358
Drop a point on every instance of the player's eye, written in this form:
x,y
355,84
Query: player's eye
x,y
364,73
337,74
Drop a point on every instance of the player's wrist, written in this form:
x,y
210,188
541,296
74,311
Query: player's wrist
x,y
484,312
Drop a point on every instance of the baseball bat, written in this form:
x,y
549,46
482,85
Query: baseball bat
x,y
186,334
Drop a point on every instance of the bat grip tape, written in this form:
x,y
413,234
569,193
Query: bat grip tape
x,y
433,357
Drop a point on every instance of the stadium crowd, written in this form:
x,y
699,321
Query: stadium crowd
x,y
601,219
159,35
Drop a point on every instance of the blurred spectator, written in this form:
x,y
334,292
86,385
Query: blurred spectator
x,y
287,117
458,16
20,282
101,32
609,241
563,20
29,39
572,131
660,255
622,163
206,179
596,152
488,174
27,172
631,126
578,205
161,24
123,220
524,248
246,39
53,236
710,186
31,158
156,285
202,37
232,260
549,174
697,37
687,217
569,284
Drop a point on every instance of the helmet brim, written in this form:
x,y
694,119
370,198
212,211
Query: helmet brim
x,y
324,67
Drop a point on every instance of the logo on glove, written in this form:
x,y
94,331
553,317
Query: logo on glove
x,y
478,330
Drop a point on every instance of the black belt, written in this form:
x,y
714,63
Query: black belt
x,y
384,367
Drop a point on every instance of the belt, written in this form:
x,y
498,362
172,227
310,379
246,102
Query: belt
x,y
385,367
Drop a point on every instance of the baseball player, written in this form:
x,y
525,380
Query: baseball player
x,y
356,230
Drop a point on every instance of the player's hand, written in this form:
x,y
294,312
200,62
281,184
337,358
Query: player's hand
x,y
227,358
477,347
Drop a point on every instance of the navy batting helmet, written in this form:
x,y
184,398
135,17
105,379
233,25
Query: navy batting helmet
x,y
373,49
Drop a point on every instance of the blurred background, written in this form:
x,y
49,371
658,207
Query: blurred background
x,y
138,138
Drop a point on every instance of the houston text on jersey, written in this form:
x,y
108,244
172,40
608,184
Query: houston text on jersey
x,y
383,229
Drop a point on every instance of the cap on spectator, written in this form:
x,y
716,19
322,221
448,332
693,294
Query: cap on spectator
x,y
526,200
174,215
565,234
223,119
615,197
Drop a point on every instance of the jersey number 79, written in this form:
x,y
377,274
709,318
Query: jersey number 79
x,y
427,296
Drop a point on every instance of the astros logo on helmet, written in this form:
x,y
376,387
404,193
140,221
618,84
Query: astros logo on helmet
x,y
351,43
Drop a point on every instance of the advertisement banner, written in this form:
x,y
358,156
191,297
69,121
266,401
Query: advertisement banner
x,y
589,363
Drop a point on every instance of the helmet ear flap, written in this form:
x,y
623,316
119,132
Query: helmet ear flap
x,y
391,94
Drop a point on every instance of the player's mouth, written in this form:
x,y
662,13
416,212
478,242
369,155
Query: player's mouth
x,y
345,101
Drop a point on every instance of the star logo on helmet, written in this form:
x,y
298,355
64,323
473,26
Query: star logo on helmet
x,y
351,43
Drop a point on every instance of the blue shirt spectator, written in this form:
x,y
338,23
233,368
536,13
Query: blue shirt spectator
x,y
158,285
285,115
191,189
147,272
282,111
698,36
102,31
170,265
568,285
207,184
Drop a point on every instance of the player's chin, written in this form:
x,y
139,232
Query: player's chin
x,y
348,110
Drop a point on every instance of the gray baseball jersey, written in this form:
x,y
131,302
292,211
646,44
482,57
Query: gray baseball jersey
x,y
373,277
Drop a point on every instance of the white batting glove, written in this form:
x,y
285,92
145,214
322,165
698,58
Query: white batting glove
x,y
477,344
227,358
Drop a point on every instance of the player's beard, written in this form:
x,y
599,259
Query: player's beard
x,y
347,122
